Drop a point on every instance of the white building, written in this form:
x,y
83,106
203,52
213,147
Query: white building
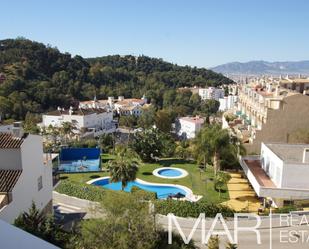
x,y
129,106
280,173
94,120
211,93
120,105
228,102
188,127
24,176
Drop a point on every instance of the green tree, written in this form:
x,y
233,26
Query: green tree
x,y
210,142
126,224
30,124
148,144
209,107
123,168
163,120
40,225
67,130
147,119
106,142
221,179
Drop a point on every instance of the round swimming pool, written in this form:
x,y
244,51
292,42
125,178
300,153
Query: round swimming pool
x,y
163,190
170,173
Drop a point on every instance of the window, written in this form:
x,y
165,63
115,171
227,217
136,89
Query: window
x,y
40,183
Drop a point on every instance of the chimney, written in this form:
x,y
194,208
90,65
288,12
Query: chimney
x,y
306,155
18,130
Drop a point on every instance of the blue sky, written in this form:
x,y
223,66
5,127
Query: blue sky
x,y
199,33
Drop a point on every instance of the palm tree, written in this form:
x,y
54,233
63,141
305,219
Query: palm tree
x,y
210,141
67,130
124,167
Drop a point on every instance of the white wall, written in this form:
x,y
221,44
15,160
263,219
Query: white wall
x,y
188,129
10,159
272,165
99,121
26,188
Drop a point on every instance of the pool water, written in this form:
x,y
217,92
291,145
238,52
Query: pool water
x,y
162,191
80,165
170,172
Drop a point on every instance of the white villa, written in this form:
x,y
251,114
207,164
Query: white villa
x,y
120,105
188,127
280,174
94,120
24,176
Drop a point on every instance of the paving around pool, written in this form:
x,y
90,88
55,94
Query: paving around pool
x,y
170,173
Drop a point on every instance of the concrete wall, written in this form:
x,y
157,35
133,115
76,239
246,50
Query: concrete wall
x,y
26,189
292,116
296,176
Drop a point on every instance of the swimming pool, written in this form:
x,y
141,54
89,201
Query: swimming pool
x,y
162,190
170,173
80,165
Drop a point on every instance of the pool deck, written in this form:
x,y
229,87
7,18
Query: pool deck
x,y
183,172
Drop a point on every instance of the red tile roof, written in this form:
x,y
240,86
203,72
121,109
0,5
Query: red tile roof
x,y
8,141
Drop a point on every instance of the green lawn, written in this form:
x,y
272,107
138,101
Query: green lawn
x,y
199,181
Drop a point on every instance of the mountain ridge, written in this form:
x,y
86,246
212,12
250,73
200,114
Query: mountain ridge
x,y
258,67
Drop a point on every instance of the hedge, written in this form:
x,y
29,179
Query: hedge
x,y
191,209
143,195
95,193
82,191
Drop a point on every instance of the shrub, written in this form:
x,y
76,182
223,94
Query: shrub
x,y
191,209
82,191
285,209
143,195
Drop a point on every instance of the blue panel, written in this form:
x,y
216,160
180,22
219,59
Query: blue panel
x,y
72,154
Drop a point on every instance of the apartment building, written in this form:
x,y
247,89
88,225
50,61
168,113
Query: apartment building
x,y
269,114
280,173
93,120
228,102
211,93
25,176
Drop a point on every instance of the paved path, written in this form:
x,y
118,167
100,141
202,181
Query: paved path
x,y
242,196
68,209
